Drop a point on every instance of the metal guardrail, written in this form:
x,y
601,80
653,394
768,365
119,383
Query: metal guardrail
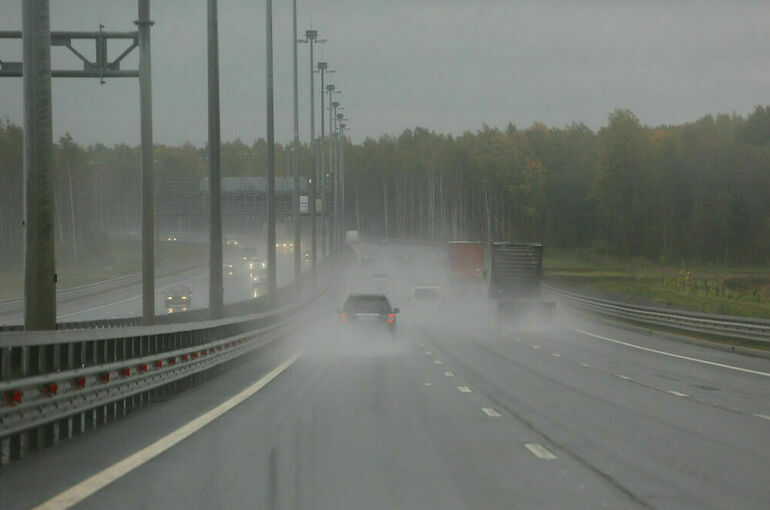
x,y
739,328
58,383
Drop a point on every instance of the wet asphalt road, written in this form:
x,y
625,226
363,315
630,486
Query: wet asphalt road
x,y
455,411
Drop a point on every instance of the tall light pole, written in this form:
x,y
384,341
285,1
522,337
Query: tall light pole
x,y
311,37
216,290
323,68
333,106
295,165
342,128
271,259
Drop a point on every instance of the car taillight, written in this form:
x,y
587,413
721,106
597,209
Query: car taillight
x,y
391,318
343,317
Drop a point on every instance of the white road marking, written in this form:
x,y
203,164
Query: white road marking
x,y
535,346
585,365
624,377
421,345
518,340
678,393
95,483
426,384
763,416
539,451
449,374
664,353
490,412
438,362
464,389
429,353
556,355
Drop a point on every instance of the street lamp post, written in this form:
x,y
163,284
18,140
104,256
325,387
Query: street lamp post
x,y
295,202
323,68
342,128
271,258
311,37
216,290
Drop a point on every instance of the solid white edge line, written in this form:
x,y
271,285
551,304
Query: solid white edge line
x,y
490,412
763,416
95,483
540,451
664,353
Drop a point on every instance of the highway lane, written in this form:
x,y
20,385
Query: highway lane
x,y
452,413
106,302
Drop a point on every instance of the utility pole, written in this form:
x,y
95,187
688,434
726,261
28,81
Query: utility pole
x,y
216,290
295,165
148,189
39,250
271,259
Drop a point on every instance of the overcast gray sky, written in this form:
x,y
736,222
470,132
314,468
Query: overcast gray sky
x,y
447,65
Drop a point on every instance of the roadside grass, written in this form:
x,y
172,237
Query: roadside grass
x,y
114,259
743,291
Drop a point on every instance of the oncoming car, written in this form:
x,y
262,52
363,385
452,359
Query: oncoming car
x,y
368,310
178,299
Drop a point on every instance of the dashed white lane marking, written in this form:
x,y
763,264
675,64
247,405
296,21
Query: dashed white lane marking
x,y
426,384
422,345
86,488
539,451
679,356
449,374
535,346
490,412
438,362
763,416
556,355
464,389
678,393
624,377
585,365
429,353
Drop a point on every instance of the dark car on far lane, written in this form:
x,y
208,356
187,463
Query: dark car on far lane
x,y
368,310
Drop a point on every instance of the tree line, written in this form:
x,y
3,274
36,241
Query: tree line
x,y
698,191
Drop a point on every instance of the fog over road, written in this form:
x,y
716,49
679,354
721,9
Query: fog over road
x,y
454,412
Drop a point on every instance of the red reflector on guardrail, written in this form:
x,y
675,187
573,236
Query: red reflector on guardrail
x,y
13,397
51,388
105,377
185,357
195,355
125,372
80,382
143,367
159,364
172,361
